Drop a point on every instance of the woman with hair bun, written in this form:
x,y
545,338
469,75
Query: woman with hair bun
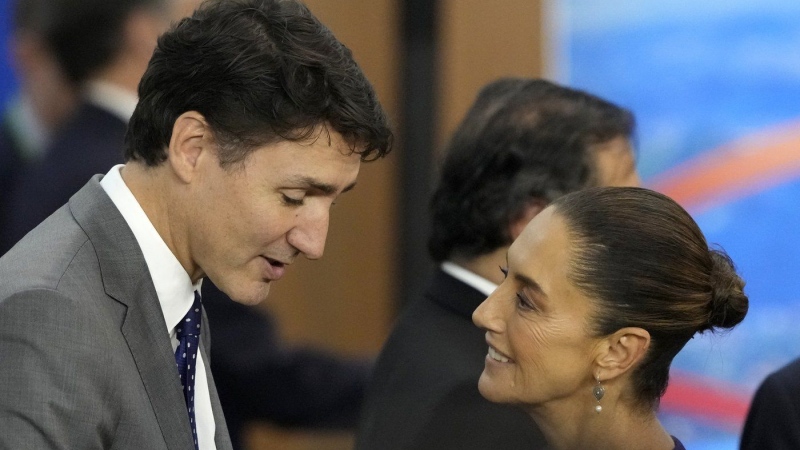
x,y
602,290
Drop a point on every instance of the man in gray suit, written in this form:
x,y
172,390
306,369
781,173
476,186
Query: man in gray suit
x,y
252,118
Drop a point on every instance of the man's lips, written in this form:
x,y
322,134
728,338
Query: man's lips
x,y
275,268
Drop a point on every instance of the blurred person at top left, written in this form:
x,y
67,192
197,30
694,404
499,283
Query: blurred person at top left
x,y
45,99
103,48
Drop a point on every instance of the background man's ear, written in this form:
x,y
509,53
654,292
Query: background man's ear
x,y
622,351
530,211
191,140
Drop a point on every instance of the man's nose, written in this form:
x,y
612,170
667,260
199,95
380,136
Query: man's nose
x,y
309,236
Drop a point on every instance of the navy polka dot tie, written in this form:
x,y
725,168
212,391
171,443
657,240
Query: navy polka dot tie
x,y
188,333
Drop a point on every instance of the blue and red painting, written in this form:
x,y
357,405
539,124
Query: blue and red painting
x,y
715,87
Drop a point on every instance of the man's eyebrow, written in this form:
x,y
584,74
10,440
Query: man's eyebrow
x,y
325,188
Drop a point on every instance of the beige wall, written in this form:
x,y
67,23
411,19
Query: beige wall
x,y
480,41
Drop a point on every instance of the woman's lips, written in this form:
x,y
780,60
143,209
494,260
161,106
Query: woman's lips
x,y
497,356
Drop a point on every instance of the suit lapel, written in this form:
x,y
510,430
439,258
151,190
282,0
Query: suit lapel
x,y
455,295
127,280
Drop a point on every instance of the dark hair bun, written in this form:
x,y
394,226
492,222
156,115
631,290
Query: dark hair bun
x,y
728,301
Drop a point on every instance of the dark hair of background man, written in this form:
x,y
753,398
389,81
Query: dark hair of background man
x,y
490,173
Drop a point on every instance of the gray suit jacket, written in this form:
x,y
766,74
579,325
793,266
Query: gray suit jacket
x,y
85,358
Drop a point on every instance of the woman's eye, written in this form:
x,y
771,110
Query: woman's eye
x,y
292,201
505,271
523,301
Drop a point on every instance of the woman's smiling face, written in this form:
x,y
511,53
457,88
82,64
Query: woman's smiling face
x,y
537,322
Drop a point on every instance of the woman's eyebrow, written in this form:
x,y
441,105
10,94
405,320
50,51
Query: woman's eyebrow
x,y
530,283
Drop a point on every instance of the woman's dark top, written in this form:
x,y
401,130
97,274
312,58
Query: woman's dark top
x,y
678,445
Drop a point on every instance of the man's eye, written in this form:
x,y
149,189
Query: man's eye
x,y
505,271
292,201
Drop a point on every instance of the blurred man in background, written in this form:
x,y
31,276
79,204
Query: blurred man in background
x,y
46,98
522,144
773,422
103,48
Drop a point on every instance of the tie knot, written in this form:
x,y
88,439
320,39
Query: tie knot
x,y
190,324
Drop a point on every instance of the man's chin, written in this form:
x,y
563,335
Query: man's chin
x,y
249,295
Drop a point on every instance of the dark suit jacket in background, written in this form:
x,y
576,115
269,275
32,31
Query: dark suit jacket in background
x,y
91,142
260,379
773,422
86,361
424,392
10,167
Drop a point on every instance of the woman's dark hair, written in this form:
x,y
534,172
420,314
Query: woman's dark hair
x,y
522,140
646,263
259,71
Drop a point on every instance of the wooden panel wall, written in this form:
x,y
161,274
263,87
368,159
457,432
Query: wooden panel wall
x,y
479,42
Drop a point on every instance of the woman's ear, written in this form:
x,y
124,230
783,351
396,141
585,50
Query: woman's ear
x,y
621,351
191,138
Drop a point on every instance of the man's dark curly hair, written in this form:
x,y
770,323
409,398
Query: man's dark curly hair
x,y
522,140
259,71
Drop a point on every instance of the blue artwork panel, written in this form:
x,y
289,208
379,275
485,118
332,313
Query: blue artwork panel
x,y
701,76
7,80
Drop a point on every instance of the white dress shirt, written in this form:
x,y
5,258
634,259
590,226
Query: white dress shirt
x,y
174,289
114,99
483,285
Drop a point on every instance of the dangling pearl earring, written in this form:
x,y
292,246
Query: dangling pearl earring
x,y
598,391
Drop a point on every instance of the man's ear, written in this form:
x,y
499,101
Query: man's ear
x,y
534,207
620,352
191,139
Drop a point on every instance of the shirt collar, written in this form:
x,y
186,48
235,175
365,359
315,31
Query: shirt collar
x,y
28,131
114,99
173,286
483,285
